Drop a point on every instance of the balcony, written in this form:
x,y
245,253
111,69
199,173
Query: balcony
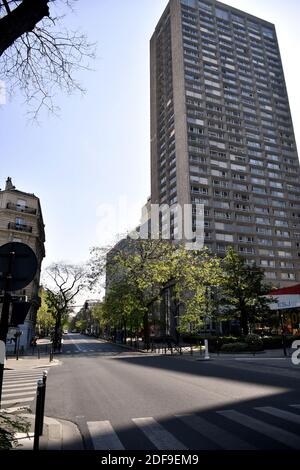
x,y
19,227
19,208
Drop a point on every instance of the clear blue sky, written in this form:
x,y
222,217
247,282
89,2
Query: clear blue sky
x,y
98,150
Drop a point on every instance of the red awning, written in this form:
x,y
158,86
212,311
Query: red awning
x,y
286,290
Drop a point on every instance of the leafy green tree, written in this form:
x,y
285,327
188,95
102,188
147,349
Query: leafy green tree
x,y
141,269
45,315
244,289
197,274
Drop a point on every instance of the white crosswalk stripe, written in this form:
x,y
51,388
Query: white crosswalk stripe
x,y
103,436
158,435
19,387
214,433
280,435
287,415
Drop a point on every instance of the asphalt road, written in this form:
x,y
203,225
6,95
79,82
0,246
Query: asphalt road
x,y
133,401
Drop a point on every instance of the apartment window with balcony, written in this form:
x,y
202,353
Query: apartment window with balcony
x,y
278,203
20,221
264,231
224,237
284,244
246,249
262,220
286,264
270,275
267,263
223,215
284,254
258,190
281,233
281,223
288,276
265,241
263,252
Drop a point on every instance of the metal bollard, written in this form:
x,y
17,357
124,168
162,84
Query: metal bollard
x,y
38,351
45,375
191,350
38,411
206,357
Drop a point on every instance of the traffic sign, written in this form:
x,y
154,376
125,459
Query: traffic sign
x,y
18,266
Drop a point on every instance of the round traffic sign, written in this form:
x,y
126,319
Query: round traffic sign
x,y
18,266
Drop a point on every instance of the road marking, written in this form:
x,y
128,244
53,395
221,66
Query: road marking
x,y
18,394
19,383
295,406
278,434
214,433
103,436
260,358
287,415
7,402
18,387
160,437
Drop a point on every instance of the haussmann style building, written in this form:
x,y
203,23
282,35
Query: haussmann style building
x,y
222,132
21,221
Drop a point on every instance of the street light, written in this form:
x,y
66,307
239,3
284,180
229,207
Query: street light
x,y
283,333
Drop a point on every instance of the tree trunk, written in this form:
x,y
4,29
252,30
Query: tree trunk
x,y
125,333
21,20
146,330
57,333
244,324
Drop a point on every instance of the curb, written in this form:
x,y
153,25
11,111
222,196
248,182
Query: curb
x,y
58,434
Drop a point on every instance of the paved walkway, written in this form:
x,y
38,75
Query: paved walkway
x,y
57,434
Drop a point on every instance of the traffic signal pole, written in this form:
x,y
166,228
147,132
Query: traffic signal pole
x,y
4,318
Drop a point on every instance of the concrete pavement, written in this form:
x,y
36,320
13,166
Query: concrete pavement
x,y
58,434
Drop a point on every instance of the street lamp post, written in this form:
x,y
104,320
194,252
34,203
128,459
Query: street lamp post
x,y
283,334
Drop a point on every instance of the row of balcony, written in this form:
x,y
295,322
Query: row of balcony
x,y
20,227
21,208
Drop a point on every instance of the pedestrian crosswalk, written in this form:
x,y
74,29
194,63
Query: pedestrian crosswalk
x,y
257,428
19,387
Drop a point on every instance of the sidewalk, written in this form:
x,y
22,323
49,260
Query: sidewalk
x,y
57,434
30,362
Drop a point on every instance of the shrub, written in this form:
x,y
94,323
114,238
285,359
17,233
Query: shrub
x,y
234,347
254,342
9,425
275,342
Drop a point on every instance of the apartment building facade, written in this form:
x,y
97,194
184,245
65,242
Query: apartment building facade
x,y
222,132
21,220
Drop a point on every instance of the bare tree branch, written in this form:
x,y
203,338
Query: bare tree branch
x,y
38,55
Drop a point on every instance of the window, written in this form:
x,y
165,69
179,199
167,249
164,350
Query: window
x,y
203,6
20,221
284,254
267,32
223,14
224,237
270,275
21,204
